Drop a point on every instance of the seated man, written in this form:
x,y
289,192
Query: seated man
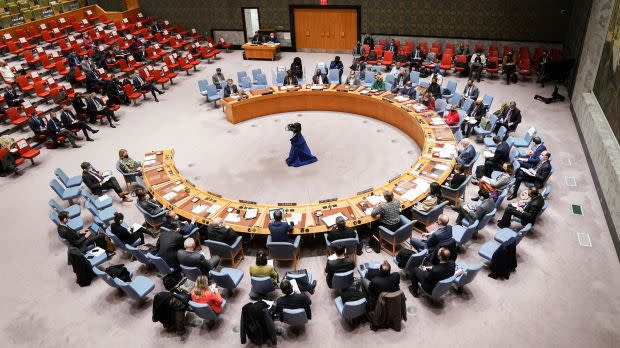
x,y
138,82
341,231
98,182
172,222
230,88
408,90
11,98
55,129
340,264
219,232
80,240
401,80
470,91
95,106
192,258
526,214
387,281
484,206
279,229
510,118
477,62
431,240
429,276
319,78
536,175
38,125
467,154
167,247
534,155
476,111
123,233
218,78
148,204
290,300
337,64
501,155
69,120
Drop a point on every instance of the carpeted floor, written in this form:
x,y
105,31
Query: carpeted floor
x,y
562,294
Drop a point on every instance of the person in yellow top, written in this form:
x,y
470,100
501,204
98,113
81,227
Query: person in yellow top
x,y
378,84
262,269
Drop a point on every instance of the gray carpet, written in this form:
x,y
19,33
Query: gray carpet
x,y
562,294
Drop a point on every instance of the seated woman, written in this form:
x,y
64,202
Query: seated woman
x,y
147,203
290,79
128,164
201,293
428,101
434,88
123,233
497,185
453,118
378,84
352,80
431,200
457,177
262,269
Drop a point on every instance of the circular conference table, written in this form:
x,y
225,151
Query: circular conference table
x,y
427,129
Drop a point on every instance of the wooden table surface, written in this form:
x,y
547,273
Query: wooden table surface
x,y
265,51
172,190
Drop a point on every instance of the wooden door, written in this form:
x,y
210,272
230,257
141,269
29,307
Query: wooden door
x,y
325,29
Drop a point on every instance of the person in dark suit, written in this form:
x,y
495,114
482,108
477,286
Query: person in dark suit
x,y
191,258
527,214
510,118
319,78
172,222
430,276
80,240
123,233
542,171
168,244
96,182
290,79
368,40
432,239
69,120
272,38
155,28
230,88
95,106
341,231
297,68
219,232
401,81
479,211
290,300
79,104
470,91
340,264
279,229
38,125
337,64
477,110
147,203
500,156
534,155
55,129
92,82
113,89
140,85
386,281
408,90
467,154
11,98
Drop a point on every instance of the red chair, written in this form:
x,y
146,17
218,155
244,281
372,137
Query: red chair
x,y
79,75
379,50
34,33
133,62
45,61
13,47
144,72
225,45
64,46
171,63
388,59
192,60
24,85
95,36
26,151
160,78
213,49
122,64
184,65
506,49
104,19
423,47
461,62
161,39
146,34
446,63
131,93
61,68
63,24
181,30
449,51
493,51
197,37
120,26
495,60
91,16
436,50
41,89
556,55
206,54
524,52
30,110
449,46
169,74
151,54
16,118
436,45
524,68
30,58
478,47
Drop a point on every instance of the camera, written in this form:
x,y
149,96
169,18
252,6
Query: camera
x,y
294,127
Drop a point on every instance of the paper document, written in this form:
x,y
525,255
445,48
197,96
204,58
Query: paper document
x,y
136,226
96,252
375,199
213,209
178,188
332,257
401,98
330,221
441,167
295,286
368,211
150,158
103,198
488,154
232,217
107,173
199,209
529,171
170,195
251,213
295,218
148,163
437,121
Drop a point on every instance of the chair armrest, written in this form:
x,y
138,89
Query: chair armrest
x,y
404,220
327,243
296,241
236,243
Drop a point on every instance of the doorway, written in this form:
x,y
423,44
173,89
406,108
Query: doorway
x,y
251,23
321,29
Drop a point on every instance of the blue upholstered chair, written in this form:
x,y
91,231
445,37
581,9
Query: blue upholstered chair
x,y
161,264
455,99
138,255
130,178
487,100
119,244
546,192
500,199
483,222
95,260
256,72
294,317
227,278
342,280
442,288
262,285
428,217
106,215
233,252
213,95
394,238
470,165
152,220
140,183
415,261
440,106
369,78
451,86
350,310
261,81
139,287
466,104
545,206
505,234
106,277
65,194
73,210
369,269
66,180
483,132
454,195
525,140
75,223
458,136
284,251
332,75
202,86
100,203
192,273
468,276
350,244
245,83
462,235
414,76
300,278
241,74
488,249
204,311
280,76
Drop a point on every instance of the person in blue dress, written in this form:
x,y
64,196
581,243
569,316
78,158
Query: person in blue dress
x,y
300,153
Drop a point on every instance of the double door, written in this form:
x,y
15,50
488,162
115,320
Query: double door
x,y
325,29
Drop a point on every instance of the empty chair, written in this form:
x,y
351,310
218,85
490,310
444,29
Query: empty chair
x,y
333,75
451,86
501,133
487,100
440,106
256,72
414,76
525,140
369,78
442,288
462,235
65,194
342,280
482,132
262,285
161,264
241,74
212,94
284,251
454,195
192,273
489,248
227,278
137,254
350,310
204,310
428,217
546,192
106,215
261,81
100,202
505,234
502,195
468,275
294,317
73,210
233,252
245,82
483,222
139,287
393,238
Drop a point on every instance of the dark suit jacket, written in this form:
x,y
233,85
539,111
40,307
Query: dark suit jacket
x,y
279,231
532,209
37,124
221,234
542,173
337,266
443,234
11,98
79,105
168,244
150,206
478,113
370,42
380,284
90,104
92,182
474,92
67,118
436,274
336,234
54,126
534,157
405,78
123,234
228,90
315,78
290,80
293,301
194,259
467,155
410,92
73,237
502,153
457,180
515,118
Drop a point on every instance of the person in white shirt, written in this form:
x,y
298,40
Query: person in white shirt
x,y
7,73
478,60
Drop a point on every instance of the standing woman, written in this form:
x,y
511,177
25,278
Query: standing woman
x,y
300,153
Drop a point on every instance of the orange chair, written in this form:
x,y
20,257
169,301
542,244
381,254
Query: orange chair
x,y
151,54
104,19
423,47
492,60
13,47
171,63
122,64
184,65
524,68
64,46
24,85
191,59
26,151
131,93
160,78
61,68
120,26
461,60
206,53
446,63
197,37
16,118
181,30
30,58
132,62
79,75
34,33
161,39
388,59
146,34
144,72
379,50
225,45
30,110
169,74
41,89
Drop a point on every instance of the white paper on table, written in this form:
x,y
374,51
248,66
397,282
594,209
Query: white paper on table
x,y
148,163
437,121
199,209
441,167
330,221
103,198
295,218
401,98
316,87
251,213
487,153
170,195
213,209
232,217
375,199
178,188
149,158
421,187
368,211
419,107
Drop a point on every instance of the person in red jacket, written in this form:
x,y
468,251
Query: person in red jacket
x,y
201,293
453,118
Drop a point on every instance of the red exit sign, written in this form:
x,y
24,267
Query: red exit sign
x,y
323,2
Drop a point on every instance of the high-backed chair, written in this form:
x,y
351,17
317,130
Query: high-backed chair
x,y
414,76
138,255
525,140
130,178
106,215
369,78
202,86
65,194
342,280
233,252
483,132
467,104
440,106
284,251
350,244
333,75
107,278
393,238
262,285
462,235
73,210
192,273
294,317
139,287
369,269
454,195
451,86
75,223
204,311
152,220
470,165
487,101
442,288
227,278
505,234
119,244
212,95
468,275
501,197
415,261
100,203
66,180
161,264
352,309
428,217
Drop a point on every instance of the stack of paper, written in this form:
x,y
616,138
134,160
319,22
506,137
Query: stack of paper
x,y
232,217
251,213
330,221
170,195
441,167
213,209
419,107
295,218
421,187
148,163
401,98
103,198
488,154
316,87
375,199
178,188
437,121
368,211
199,209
